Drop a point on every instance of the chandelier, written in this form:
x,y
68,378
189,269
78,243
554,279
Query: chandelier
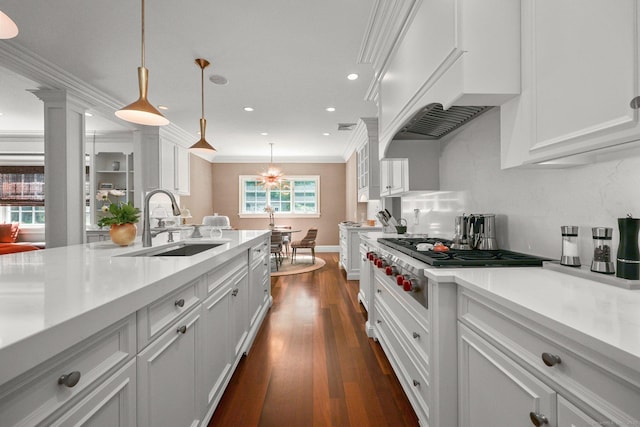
x,y
273,176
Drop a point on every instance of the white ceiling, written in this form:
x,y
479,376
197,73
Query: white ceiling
x,y
288,59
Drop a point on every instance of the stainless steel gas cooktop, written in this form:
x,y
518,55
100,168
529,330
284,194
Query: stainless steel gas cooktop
x,y
457,257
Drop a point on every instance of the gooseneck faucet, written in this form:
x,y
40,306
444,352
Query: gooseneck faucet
x,y
147,234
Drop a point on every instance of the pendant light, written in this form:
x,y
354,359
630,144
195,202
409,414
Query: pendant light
x,y
8,28
202,146
141,111
272,177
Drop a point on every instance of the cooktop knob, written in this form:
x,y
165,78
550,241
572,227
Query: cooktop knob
x,y
391,270
399,279
410,285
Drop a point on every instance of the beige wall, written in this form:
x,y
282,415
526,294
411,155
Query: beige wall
x,y
225,197
200,202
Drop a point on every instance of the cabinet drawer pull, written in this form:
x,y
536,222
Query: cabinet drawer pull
x,y
379,291
551,359
416,335
378,321
182,329
235,292
538,419
180,302
416,383
69,380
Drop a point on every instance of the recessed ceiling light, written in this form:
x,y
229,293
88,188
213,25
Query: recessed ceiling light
x,y
326,134
352,76
248,109
86,113
219,80
330,109
264,133
163,107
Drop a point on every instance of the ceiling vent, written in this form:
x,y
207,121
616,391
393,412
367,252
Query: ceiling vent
x,y
432,122
346,126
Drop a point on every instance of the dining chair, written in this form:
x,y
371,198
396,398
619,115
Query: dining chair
x,y
276,248
307,242
286,237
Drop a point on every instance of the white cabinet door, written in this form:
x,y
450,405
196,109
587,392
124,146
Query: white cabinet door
x,y
113,403
494,390
216,360
168,376
580,72
240,316
175,167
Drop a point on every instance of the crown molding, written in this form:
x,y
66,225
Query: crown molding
x,y
387,26
26,63
364,130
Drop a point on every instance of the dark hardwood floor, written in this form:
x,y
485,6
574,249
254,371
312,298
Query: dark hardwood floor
x,y
312,363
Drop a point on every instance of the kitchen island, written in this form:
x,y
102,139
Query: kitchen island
x,y
109,313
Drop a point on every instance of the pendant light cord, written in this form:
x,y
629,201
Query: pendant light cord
x,y
142,50
202,88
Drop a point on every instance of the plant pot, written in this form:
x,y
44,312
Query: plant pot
x,y
123,234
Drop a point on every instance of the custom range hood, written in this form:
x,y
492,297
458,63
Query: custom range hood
x,y
433,122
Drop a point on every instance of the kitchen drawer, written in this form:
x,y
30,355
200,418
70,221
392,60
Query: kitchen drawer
x,y
414,327
223,274
157,316
37,395
596,384
413,379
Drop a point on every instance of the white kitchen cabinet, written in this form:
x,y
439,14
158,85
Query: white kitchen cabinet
x,y
174,167
216,345
350,249
64,387
580,70
494,390
508,357
410,166
365,136
365,281
169,375
394,176
239,324
259,283
112,403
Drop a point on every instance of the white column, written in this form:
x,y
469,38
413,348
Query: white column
x,y
64,167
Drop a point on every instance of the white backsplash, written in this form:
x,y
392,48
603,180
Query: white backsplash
x,y
530,204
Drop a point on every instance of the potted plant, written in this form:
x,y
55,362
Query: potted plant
x,y
122,221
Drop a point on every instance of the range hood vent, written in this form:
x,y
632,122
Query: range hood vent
x,y
432,122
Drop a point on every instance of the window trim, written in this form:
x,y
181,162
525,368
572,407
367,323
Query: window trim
x,y
243,178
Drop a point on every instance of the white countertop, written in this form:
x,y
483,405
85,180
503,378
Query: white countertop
x,y
595,314
52,299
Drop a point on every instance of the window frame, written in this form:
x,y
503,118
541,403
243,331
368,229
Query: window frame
x,y
242,179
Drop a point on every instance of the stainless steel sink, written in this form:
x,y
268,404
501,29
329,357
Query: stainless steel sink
x,y
181,249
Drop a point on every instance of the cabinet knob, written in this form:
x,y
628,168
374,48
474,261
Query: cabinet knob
x,y
182,329
538,419
179,303
551,359
378,321
379,291
635,103
235,292
416,335
69,380
416,383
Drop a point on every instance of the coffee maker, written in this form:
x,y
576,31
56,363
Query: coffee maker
x,y
475,231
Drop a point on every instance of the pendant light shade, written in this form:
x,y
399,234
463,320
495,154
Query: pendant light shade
x,y
141,111
202,146
8,28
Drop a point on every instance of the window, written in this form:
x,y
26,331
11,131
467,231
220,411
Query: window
x,y
296,196
22,194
